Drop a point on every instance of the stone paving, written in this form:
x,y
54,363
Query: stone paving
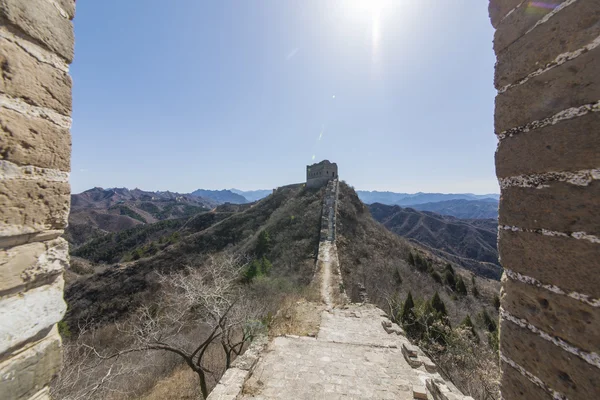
x,y
358,354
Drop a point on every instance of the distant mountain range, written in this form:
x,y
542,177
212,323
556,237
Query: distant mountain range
x,y
460,205
252,195
221,196
404,199
470,243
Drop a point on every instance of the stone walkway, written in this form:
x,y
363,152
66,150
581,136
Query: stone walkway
x,y
358,352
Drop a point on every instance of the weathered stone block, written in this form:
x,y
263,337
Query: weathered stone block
x,y
28,206
570,145
499,8
571,29
37,83
571,84
27,264
516,386
561,207
27,372
26,314
520,21
68,6
33,141
562,371
568,263
567,318
41,20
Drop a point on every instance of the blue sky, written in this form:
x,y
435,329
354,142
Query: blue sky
x,y
191,94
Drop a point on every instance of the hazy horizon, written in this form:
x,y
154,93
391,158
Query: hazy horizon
x,y
238,94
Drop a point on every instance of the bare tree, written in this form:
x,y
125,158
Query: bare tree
x,y
209,297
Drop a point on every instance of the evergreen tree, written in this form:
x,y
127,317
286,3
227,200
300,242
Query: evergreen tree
x,y
461,288
264,244
450,280
252,271
467,323
475,291
438,305
411,259
489,323
496,302
408,314
436,277
449,268
265,266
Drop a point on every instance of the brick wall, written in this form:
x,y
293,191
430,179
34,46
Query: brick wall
x,y
36,48
547,121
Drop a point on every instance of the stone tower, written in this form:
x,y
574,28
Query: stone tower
x,y
319,174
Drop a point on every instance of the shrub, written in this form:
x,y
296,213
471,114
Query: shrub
x,y
488,322
450,280
436,277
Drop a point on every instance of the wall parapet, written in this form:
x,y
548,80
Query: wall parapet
x,y
548,163
36,48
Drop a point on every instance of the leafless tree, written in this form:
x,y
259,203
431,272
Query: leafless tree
x,y
207,296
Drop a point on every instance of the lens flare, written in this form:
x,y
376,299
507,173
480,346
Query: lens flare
x,y
537,7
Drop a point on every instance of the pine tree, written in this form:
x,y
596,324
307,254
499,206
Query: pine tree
x,y
467,323
497,302
438,305
411,259
252,271
489,323
436,276
408,314
265,266
264,244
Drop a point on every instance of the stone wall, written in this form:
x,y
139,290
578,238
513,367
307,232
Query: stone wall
x,y
547,121
36,48
319,174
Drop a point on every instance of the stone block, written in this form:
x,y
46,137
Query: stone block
x,y
572,28
519,22
41,20
33,141
516,386
566,318
68,6
31,263
561,370
26,373
571,84
28,206
25,315
570,145
419,392
559,207
499,8
37,83
569,263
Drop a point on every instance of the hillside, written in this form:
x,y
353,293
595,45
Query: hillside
x,y
97,211
373,257
461,208
291,216
470,242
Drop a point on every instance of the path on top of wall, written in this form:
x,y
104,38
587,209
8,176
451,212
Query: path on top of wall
x,y
358,352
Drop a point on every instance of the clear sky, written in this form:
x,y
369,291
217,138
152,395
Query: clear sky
x,y
186,94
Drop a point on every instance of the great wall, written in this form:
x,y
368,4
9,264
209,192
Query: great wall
x,y
357,353
547,123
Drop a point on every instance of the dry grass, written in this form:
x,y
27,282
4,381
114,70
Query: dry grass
x,y
181,384
299,314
